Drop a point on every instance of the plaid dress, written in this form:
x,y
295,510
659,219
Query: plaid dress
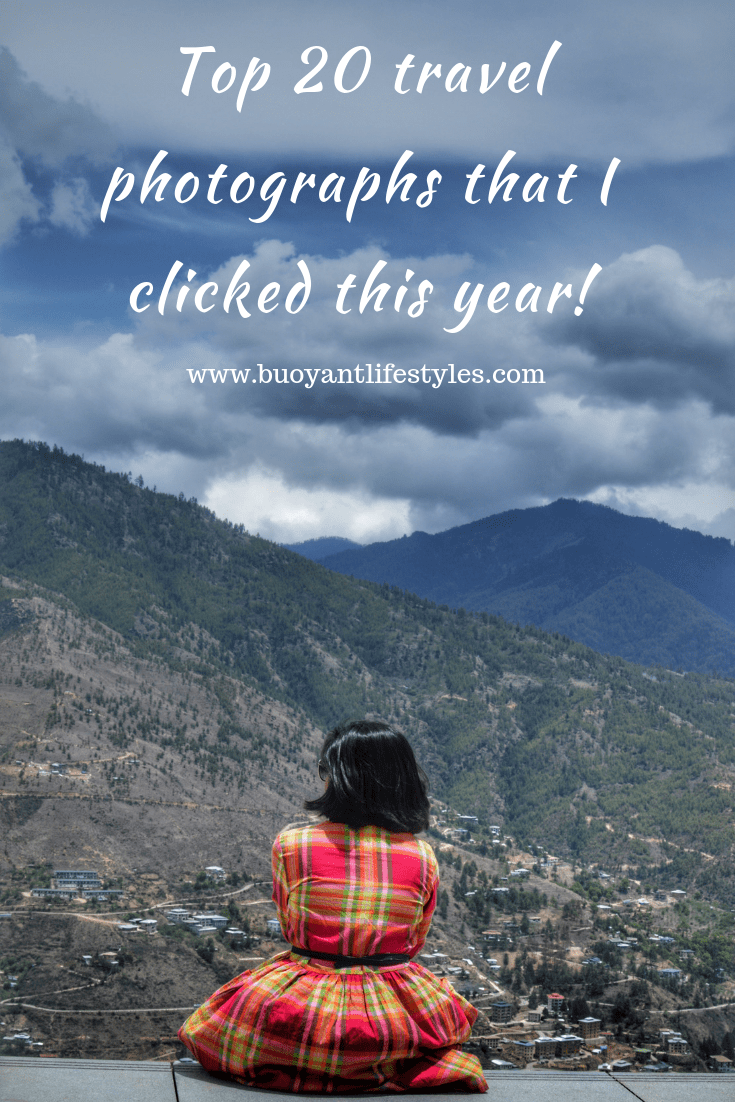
x,y
300,1024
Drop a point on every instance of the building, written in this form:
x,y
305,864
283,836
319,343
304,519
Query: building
x,y
568,1044
524,1049
219,922
200,927
676,1044
554,1003
545,1048
177,915
193,926
54,893
76,878
589,1027
670,974
498,939
215,872
500,1012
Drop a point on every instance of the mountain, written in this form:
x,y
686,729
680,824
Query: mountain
x,y
318,549
624,585
183,672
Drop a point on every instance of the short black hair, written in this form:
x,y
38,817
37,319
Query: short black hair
x,y
374,779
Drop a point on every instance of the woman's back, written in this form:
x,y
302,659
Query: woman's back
x,y
346,1008
353,892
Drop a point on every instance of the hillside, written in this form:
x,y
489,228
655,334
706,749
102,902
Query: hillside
x,y
623,585
192,668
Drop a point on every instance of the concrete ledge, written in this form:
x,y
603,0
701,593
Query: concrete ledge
x,y
40,1080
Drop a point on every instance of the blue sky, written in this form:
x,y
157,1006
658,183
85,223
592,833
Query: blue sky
x,y
637,405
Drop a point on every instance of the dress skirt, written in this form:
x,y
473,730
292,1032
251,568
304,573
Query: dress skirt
x,y
294,1024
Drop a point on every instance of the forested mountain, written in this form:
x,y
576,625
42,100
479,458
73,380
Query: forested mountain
x,y
212,658
623,585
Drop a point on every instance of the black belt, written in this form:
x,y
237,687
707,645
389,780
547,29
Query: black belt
x,y
341,961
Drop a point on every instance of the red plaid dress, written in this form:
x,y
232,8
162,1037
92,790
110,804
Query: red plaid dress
x,y
300,1024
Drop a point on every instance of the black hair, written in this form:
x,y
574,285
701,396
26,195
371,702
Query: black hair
x,y
374,779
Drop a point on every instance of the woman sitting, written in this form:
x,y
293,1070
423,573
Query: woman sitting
x,y
347,1008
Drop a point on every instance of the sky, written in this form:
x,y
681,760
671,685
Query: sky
x,y
543,269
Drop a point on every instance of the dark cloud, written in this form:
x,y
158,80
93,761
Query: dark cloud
x,y
656,334
449,453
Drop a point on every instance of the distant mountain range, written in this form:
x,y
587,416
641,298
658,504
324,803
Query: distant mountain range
x,y
630,586
316,550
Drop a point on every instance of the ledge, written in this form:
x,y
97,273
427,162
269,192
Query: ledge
x,y
26,1079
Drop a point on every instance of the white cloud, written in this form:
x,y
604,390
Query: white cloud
x,y
48,131
287,514
72,206
17,201
707,507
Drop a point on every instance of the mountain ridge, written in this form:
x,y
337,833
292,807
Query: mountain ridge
x,y
547,565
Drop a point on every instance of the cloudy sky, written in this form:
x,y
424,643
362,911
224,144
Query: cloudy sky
x,y
280,219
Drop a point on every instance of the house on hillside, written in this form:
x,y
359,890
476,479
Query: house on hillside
x,y
219,922
214,872
677,1044
500,1012
524,1049
498,939
568,1044
545,1048
177,915
670,974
